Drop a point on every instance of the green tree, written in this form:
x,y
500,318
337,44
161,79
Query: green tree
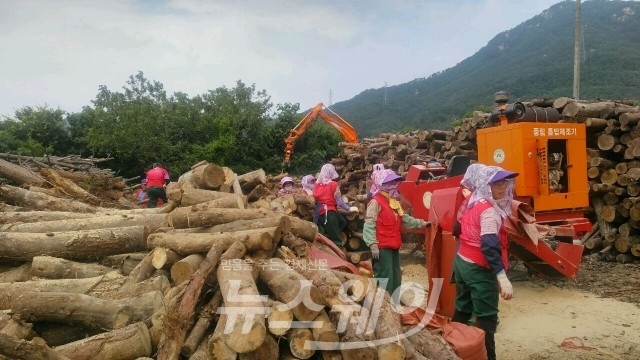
x,y
44,126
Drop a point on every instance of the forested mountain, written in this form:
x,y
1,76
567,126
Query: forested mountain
x,y
532,60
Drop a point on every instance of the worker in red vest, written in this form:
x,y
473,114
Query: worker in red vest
x,y
381,230
142,197
328,197
157,181
480,264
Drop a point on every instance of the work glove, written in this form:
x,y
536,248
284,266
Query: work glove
x,y
375,252
426,224
506,289
354,209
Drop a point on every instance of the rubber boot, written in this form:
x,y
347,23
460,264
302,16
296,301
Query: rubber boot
x,y
461,317
489,325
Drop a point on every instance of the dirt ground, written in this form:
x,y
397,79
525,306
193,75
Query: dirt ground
x,y
595,317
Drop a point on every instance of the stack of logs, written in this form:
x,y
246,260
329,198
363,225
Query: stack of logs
x,y
613,153
84,282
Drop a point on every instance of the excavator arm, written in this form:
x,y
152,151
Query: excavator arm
x,y
319,112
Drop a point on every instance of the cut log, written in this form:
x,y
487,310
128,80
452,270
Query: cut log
x,y
189,197
69,187
18,328
606,141
15,348
179,317
8,217
164,258
183,269
130,342
143,306
151,221
182,219
72,308
232,201
202,325
160,283
186,244
286,284
430,345
267,350
19,174
303,229
209,176
59,334
356,287
324,331
297,340
218,349
16,274
278,220
142,271
74,245
387,327
251,179
257,193
56,268
38,201
241,300
279,317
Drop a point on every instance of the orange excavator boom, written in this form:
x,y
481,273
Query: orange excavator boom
x,y
319,112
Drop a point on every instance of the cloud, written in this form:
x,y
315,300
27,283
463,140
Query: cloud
x,y
59,52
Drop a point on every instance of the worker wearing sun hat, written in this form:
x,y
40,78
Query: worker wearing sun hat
x,y
381,230
481,262
286,186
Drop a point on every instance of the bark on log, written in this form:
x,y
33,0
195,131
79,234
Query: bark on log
x,y
209,176
286,284
74,245
9,217
186,244
303,229
56,268
278,220
231,201
237,281
257,193
38,201
356,287
69,187
16,348
180,316
16,274
181,219
20,175
325,332
142,271
130,342
152,221
387,327
202,325
160,283
72,308
143,306
431,346
189,197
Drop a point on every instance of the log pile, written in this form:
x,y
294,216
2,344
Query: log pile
x,y
613,152
209,276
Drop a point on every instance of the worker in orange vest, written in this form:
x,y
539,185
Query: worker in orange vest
x,y
157,181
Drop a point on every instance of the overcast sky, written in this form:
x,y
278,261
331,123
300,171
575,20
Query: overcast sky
x,y
58,52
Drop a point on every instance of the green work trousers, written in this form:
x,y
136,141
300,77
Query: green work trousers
x,y
388,267
154,193
331,226
477,289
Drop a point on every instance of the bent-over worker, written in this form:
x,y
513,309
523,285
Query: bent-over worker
x,y
157,181
328,197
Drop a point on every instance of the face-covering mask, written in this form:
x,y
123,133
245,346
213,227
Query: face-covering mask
x,y
288,188
392,190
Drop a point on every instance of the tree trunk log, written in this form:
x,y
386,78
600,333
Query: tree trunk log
x,y
268,350
38,201
388,326
191,197
218,349
209,176
297,339
202,325
432,346
303,229
75,245
9,217
72,308
19,174
279,317
163,258
251,179
16,348
130,342
182,219
278,220
55,268
152,221
186,244
236,280
286,284
16,274
69,187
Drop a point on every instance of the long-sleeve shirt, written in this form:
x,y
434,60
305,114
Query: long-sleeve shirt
x,y
371,218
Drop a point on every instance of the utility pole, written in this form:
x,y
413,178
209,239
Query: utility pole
x,y
576,54
330,97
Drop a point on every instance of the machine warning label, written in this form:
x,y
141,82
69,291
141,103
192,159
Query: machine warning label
x,y
544,132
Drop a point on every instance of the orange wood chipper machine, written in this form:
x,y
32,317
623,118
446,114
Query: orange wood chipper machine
x,y
551,193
